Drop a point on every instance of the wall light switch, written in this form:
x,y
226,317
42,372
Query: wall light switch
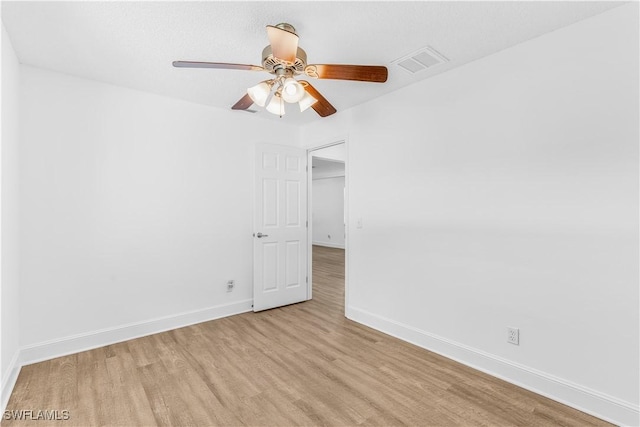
x,y
359,223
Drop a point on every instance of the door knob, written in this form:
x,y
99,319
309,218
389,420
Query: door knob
x,y
260,235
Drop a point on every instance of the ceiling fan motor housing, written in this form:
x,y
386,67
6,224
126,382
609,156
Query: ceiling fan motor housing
x,y
270,63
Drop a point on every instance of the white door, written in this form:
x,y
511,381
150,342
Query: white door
x,y
280,227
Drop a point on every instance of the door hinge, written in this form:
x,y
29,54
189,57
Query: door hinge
x,y
306,168
307,279
307,224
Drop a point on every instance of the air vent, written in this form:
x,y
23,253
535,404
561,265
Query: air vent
x,y
420,60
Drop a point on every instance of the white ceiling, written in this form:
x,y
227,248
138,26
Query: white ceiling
x,y
132,44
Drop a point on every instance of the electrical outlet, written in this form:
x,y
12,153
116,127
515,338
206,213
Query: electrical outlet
x,y
230,285
513,336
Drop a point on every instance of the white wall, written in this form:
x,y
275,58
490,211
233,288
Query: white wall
x,y
135,207
328,212
9,225
509,198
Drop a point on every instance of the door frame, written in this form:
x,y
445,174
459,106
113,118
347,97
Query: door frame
x,y
310,149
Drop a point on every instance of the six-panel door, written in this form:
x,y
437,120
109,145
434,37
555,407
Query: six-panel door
x,y
280,233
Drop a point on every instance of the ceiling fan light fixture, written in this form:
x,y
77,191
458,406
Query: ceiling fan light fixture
x,y
306,101
276,105
259,93
285,61
292,91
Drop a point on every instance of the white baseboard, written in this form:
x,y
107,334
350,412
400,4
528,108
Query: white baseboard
x,y
598,404
9,380
76,343
328,245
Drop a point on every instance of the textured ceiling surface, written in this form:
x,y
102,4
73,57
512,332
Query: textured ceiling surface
x,y
132,44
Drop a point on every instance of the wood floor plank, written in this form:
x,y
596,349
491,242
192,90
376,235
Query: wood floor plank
x,y
300,365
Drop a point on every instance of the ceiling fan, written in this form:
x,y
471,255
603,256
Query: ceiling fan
x,y
285,60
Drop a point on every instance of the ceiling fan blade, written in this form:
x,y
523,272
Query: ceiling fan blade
x,y
284,44
363,73
221,65
322,107
244,103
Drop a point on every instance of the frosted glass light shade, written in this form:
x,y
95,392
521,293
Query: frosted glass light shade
x,y
306,101
292,91
259,93
276,106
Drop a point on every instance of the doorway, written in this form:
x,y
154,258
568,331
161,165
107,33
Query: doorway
x,y
327,235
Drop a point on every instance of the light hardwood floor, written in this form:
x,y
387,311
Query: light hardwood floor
x,y
304,364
